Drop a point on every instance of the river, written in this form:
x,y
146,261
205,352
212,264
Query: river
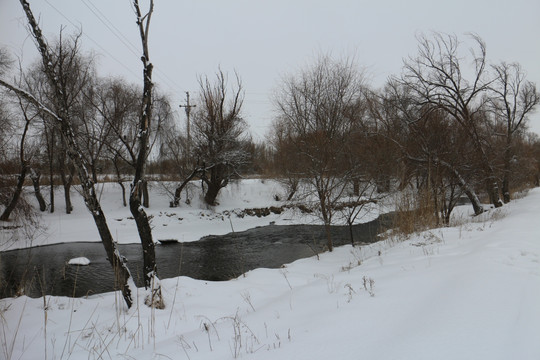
x,y
43,270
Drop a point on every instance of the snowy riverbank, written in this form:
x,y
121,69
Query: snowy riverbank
x,y
188,222
465,292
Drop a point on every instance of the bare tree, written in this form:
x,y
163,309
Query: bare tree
x,y
285,158
24,165
432,150
94,132
5,137
151,280
117,104
36,83
355,206
35,176
438,77
79,73
5,61
218,129
8,124
513,100
317,112
61,116
117,113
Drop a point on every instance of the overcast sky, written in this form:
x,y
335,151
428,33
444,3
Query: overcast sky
x,y
263,40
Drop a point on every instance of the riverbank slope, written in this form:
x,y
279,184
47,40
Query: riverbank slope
x,y
466,292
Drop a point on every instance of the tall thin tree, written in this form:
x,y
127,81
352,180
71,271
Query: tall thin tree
x,y
151,280
514,99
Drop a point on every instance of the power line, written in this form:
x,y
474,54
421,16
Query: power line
x,y
112,24
94,41
164,79
113,29
127,43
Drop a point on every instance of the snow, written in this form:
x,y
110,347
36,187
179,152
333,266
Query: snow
x,y
79,261
185,223
465,292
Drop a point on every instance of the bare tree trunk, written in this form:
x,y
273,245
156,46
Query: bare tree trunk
x,y
117,261
145,194
383,184
50,154
328,233
351,234
124,202
292,189
67,180
492,189
356,186
178,191
119,180
492,186
24,168
471,194
506,170
211,193
151,280
36,176
145,235
447,218
66,174
51,192
326,219
16,194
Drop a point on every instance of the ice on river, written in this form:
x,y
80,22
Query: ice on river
x,y
79,261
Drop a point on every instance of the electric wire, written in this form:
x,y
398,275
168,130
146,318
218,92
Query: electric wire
x,y
128,44
120,36
94,41
254,97
112,28
170,84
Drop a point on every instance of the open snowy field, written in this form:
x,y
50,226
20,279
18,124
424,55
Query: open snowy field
x,y
467,292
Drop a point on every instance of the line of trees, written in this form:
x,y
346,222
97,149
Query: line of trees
x,y
450,125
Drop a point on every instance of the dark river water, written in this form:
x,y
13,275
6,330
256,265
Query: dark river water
x,y
44,269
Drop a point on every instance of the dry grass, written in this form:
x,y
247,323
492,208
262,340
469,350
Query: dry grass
x,y
520,193
415,213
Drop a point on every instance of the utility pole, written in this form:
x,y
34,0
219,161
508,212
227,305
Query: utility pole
x,y
188,107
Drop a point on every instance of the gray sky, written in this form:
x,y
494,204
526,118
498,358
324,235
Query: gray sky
x,y
265,39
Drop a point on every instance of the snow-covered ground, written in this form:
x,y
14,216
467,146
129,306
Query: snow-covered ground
x,y
184,223
466,292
